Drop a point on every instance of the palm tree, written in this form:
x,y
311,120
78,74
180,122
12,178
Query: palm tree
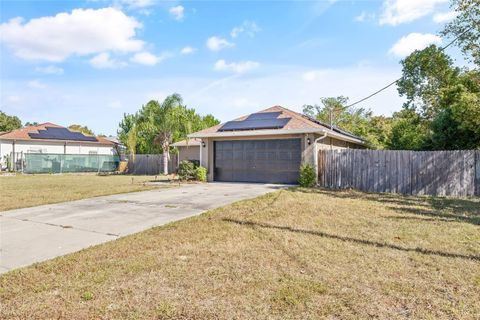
x,y
169,120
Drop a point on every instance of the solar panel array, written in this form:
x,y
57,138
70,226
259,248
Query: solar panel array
x,y
53,133
256,121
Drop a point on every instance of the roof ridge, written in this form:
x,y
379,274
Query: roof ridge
x,y
300,116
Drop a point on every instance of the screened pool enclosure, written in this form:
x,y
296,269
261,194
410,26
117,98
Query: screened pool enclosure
x,y
60,163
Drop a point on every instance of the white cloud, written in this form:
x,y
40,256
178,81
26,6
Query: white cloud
x,y
413,41
49,70
236,67
233,96
187,50
36,84
155,95
146,58
115,104
364,16
313,75
138,3
217,44
396,12
244,103
250,28
81,32
104,61
443,17
14,99
177,12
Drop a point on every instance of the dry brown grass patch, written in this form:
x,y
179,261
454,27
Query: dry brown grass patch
x,y
21,191
293,254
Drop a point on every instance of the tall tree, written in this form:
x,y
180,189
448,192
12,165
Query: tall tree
x,y
209,121
131,141
424,73
408,131
9,123
466,26
147,132
83,129
442,111
359,121
126,126
169,119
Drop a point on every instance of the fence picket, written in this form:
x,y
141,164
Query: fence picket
x,y
150,164
443,173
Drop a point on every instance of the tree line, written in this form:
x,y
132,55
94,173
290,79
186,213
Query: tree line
x,y
158,124
442,107
9,123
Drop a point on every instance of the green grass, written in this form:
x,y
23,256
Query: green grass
x,y
292,254
20,191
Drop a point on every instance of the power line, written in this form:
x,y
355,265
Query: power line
x,y
394,82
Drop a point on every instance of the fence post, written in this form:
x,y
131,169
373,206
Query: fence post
x,y
477,173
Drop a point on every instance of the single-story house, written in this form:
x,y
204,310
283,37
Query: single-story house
x,y
50,138
188,149
267,146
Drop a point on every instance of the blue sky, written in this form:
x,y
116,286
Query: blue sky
x,y
88,62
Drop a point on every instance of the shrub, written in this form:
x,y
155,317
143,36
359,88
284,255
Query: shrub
x,y
201,174
307,176
186,170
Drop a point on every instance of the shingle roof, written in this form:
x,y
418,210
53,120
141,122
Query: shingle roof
x,y
297,122
183,143
23,134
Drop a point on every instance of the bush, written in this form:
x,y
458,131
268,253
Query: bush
x,y
307,176
186,170
201,174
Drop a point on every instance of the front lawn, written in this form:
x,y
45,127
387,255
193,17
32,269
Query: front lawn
x,y
292,254
21,191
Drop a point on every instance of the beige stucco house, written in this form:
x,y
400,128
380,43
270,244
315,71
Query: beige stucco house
x,y
267,146
49,138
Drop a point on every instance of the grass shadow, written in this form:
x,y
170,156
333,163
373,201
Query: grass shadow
x,y
356,240
465,210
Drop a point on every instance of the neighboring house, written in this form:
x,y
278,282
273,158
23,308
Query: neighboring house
x,y
268,146
50,138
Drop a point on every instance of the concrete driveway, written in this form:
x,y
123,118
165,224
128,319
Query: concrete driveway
x,y
36,234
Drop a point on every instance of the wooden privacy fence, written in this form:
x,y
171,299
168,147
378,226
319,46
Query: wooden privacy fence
x,y
150,164
442,173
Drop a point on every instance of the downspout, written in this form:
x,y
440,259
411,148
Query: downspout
x,y
315,154
201,142
13,157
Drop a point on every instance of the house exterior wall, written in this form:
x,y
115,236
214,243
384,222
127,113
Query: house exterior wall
x,y
6,147
307,150
189,153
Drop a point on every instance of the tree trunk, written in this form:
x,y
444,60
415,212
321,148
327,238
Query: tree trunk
x,y
166,157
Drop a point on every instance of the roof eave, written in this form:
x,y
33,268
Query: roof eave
x,y
59,141
252,133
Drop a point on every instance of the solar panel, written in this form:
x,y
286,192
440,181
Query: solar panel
x,y
53,133
264,115
256,121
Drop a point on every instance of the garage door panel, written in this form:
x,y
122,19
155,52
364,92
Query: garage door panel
x,y
260,145
238,155
260,155
274,161
227,155
249,155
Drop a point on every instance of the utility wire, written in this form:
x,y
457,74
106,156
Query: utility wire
x,y
394,82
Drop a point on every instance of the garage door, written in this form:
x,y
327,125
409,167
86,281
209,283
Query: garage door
x,y
272,161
